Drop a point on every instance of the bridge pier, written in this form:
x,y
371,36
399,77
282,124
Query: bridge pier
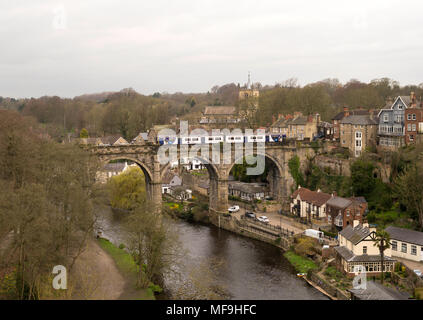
x,y
218,195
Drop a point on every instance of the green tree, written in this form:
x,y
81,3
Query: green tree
x,y
362,177
408,188
382,242
295,170
83,133
127,189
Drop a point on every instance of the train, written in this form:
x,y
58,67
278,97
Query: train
x,y
232,138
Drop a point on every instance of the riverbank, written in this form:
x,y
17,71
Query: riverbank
x,y
127,267
95,275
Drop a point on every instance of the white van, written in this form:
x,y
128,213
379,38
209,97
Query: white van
x,y
314,234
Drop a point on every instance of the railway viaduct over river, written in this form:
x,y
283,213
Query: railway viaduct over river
x,y
149,158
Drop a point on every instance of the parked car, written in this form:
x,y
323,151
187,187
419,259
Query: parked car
x,y
250,215
418,272
269,198
263,219
233,209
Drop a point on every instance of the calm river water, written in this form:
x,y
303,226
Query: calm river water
x,y
251,269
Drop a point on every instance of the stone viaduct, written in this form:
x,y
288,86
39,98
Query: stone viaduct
x,y
146,156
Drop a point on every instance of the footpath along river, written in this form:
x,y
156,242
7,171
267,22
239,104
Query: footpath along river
x,y
251,269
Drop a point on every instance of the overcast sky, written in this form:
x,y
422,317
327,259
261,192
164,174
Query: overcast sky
x,y
68,48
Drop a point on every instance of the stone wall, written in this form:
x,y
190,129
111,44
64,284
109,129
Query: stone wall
x,y
330,289
337,166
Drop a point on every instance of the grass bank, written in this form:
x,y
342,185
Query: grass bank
x,y
128,268
300,263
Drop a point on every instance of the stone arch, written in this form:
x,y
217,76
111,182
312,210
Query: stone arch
x,y
276,175
148,176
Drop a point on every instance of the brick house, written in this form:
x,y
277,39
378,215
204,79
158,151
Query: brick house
x,y
341,212
413,121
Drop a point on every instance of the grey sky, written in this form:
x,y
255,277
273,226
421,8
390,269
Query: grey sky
x,y
191,45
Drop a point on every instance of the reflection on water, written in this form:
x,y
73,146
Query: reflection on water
x,y
251,270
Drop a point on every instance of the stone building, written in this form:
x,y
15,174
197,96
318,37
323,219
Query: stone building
x,y
357,132
336,120
247,191
219,115
297,126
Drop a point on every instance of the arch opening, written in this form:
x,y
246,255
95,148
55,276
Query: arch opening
x,y
255,188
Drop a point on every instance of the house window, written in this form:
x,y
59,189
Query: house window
x,y
348,213
413,127
411,137
409,127
404,247
409,117
413,250
385,118
364,250
394,246
414,116
358,135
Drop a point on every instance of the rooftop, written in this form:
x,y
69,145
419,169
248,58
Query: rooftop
x,y
339,202
405,235
219,110
376,291
355,235
358,120
247,187
317,198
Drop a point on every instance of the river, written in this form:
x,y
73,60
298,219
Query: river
x,y
251,269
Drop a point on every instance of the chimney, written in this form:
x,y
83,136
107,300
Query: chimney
x,y
333,193
356,223
346,112
413,99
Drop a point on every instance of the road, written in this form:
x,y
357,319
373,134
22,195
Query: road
x,y
275,219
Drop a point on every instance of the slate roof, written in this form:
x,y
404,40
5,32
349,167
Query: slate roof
x,y
114,167
280,123
357,112
111,139
301,120
358,120
317,198
219,110
376,291
339,202
355,235
248,187
405,235
349,256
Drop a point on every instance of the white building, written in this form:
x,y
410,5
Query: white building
x,y
405,243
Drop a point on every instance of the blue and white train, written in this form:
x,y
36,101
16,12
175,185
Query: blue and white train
x,y
232,138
